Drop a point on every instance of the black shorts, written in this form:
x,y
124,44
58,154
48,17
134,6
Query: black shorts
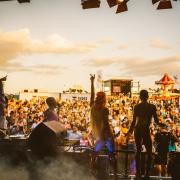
x,y
161,159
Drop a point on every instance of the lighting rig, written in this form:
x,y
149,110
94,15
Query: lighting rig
x,y
20,1
163,4
122,4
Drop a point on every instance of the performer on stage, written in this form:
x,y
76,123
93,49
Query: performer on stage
x,y
50,114
142,116
3,104
101,130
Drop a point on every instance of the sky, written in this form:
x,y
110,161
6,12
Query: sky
x,y
52,45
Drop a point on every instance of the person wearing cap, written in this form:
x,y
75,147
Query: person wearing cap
x,y
100,126
142,116
50,114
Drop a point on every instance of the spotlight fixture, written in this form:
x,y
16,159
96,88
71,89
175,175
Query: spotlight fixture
x,y
122,6
88,4
112,3
165,4
155,1
24,1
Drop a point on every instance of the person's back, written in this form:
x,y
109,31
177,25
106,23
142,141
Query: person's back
x,y
162,140
142,116
100,122
144,113
50,114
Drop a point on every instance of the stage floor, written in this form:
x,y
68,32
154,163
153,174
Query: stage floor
x,y
131,177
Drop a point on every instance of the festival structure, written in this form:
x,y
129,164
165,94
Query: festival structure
x,y
116,86
166,83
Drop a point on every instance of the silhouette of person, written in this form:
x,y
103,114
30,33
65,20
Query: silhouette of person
x,y
50,114
142,117
3,103
101,130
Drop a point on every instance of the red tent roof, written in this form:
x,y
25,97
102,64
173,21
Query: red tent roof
x,y
165,80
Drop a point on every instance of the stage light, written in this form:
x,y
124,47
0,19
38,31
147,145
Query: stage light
x,y
24,1
122,6
88,4
155,1
165,4
112,3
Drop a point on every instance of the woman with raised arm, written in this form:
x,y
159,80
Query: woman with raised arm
x,y
101,130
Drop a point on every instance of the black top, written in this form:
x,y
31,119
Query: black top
x,y
162,140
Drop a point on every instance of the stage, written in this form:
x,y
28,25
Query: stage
x,y
17,152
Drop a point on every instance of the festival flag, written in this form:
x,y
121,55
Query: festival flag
x,y
99,81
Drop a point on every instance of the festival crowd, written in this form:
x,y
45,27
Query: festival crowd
x,y
23,116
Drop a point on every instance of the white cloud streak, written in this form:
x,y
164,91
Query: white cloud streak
x,y
139,66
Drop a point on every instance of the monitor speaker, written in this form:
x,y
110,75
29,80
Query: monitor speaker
x,y
46,137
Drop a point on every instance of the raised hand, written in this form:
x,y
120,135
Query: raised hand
x,y
3,79
92,77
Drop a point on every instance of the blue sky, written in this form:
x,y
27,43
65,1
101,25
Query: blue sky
x,y
52,45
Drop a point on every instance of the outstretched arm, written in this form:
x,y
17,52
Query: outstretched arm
x,y
156,120
1,88
92,89
134,120
1,85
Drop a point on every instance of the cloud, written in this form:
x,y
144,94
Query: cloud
x,y
40,69
123,47
100,62
157,43
105,41
16,43
139,67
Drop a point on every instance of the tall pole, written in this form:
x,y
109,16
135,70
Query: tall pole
x,y
138,86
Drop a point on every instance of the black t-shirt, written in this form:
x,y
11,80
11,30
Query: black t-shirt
x,y
162,140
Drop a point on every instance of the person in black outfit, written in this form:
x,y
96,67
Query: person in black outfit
x,y
142,116
162,141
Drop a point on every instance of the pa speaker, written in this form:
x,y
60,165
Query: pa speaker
x,y
45,138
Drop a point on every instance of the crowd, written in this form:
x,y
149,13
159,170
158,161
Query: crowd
x,y
23,116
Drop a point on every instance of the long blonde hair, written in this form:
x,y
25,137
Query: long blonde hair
x,y
97,124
